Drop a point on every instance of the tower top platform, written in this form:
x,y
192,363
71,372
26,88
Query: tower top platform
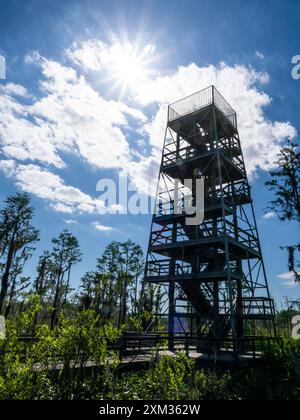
x,y
193,105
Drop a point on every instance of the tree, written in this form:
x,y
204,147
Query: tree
x,y
115,289
86,291
109,273
18,283
112,288
44,279
285,184
64,255
133,263
137,268
16,238
97,293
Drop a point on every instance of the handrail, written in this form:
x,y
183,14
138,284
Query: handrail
x,y
198,100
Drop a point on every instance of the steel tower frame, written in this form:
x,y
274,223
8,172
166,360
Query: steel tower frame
x,y
212,273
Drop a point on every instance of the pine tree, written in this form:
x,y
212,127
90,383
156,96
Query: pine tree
x,y
285,184
16,238
65,254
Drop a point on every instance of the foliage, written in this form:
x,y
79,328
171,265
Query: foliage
x,y
285,184
115,290
284,322
79,359
64,346
55,363
17,235
173,378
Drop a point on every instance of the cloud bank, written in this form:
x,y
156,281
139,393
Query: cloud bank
x,y
72,116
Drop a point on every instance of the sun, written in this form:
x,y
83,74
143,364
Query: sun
x,y
128,66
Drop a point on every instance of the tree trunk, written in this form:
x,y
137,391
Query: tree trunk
x,y
5,277
55,311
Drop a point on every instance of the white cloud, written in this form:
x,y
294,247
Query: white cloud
x,y
144,172
102,228
116,208
70,221
15,90
260,138
149,49
71,116
24,138
96,55
8,166
48,186
62,208
269,215
287,279
259,54
91,54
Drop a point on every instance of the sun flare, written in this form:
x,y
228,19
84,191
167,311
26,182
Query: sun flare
x,y
128,65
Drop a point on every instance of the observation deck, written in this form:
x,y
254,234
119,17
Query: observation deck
x,y
182,114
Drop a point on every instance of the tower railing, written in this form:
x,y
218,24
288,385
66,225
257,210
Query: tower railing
x,y
201,99
232,193
164,236
163,267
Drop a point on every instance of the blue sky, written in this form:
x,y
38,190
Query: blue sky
x,y
70,116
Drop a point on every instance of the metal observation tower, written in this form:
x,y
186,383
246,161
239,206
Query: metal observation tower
x,y
212,272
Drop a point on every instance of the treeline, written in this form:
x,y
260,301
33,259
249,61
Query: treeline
x,y
61,343
113,289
